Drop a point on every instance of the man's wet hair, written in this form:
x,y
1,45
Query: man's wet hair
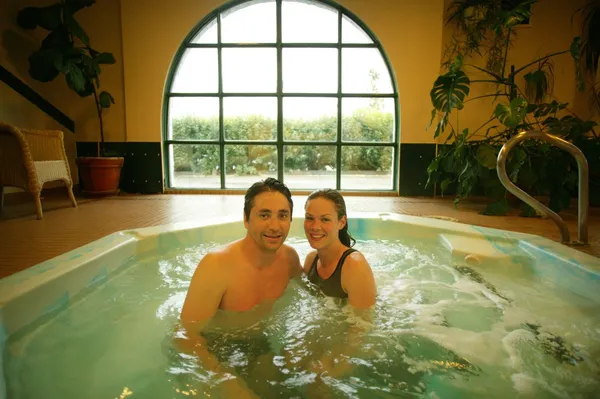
x,y
269,184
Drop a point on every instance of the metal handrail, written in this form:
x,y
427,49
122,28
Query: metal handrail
x,y
583,201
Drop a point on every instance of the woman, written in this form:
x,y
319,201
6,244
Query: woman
x,y
335,267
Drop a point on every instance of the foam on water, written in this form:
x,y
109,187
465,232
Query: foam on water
x,y
439,330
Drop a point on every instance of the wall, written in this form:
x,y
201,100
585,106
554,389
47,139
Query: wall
x,y
144,36
103,25
16,46
550,30
409,30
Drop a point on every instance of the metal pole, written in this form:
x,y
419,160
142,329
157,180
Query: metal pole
x,y
583,197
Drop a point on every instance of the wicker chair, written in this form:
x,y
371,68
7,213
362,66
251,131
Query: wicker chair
x,y
29,158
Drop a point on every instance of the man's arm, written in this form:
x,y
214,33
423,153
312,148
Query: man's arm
x,y
205,292
201,303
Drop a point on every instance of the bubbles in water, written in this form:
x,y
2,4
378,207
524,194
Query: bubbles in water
x,y
438,329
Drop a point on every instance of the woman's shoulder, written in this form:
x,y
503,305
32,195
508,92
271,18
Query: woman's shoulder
x,y
308,261
311,255
356,259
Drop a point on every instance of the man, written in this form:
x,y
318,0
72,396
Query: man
x,y
235,285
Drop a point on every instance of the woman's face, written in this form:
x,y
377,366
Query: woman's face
x,y
321,223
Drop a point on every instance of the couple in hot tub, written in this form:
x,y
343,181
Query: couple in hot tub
x,y
247,276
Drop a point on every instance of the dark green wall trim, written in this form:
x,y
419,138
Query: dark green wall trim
x,y
452,187
142,170
414,159
17,85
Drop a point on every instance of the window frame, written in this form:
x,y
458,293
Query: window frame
x,y
279,142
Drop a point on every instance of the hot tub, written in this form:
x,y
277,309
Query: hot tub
x,y
462,311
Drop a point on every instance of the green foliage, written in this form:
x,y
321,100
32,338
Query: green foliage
x,y
512,114
66,50
527,211
368,124
482,25
468,167
590,39
486,156
499,207
450,90
538,84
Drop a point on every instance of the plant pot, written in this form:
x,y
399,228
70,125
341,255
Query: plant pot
x,y
100,175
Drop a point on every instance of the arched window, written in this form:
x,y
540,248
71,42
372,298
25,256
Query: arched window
x,y
299,90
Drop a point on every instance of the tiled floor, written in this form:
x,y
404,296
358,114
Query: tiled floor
x,y
26,241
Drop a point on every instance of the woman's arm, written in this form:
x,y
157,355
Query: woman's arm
x,y
358,281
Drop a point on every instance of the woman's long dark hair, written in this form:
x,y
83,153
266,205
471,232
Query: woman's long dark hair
x,y
340,206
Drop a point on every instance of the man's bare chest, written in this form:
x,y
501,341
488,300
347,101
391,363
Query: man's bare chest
x,y
249,289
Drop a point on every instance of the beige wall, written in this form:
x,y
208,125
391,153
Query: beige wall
x,y
410,31
144,36
551,30
103,25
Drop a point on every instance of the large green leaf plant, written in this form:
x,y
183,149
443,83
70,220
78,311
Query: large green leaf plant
x,y
466,162
67,51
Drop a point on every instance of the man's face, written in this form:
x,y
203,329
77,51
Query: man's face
x,y
269,221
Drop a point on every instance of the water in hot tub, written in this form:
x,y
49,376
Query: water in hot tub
x,y
439,330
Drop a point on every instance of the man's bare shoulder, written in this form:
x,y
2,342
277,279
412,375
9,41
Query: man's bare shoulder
x,y
289,251
229,249
220,256
291,257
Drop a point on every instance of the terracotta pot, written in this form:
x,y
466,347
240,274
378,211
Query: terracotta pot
x,y
100,175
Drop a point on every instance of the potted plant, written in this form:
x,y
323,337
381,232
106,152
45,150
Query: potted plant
x,y
467,160
66,50
590,56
